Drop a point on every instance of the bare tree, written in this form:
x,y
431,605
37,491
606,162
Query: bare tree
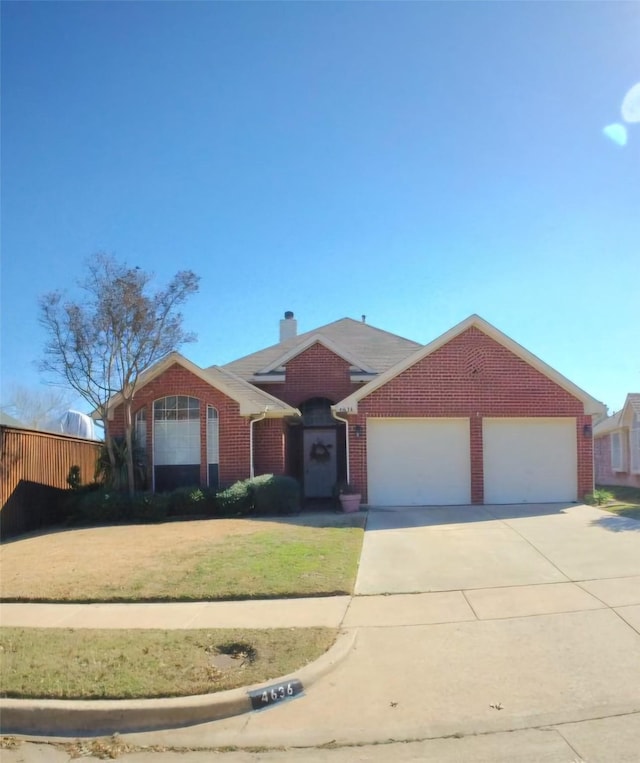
x,y
101,344
37,407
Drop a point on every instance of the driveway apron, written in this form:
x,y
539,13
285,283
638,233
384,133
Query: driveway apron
x,y
410,550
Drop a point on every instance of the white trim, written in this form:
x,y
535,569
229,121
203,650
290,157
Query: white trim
x,y
591,405
265,402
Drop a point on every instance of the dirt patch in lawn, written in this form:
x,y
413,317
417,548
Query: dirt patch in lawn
x,y
128,664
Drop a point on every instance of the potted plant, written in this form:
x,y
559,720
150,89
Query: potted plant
x,y
349,497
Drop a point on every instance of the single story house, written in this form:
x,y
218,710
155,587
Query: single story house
x,y
616,442
471,417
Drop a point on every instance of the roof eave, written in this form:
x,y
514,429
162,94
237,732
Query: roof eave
x,y
591,405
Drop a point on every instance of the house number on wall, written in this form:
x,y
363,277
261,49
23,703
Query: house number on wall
x,y
270,695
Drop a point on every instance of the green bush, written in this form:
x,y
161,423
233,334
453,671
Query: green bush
x,y
148,507
266,495
73,478
235,501
190,501
100,506
74,497
599,497
275,495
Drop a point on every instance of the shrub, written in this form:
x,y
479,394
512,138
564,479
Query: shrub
x,y
101,506
148,507
266,495
235,501
599,497
74,497
73,478
187,501
275,494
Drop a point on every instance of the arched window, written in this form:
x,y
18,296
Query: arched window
x,y
140,430
176,442
213,453
316,412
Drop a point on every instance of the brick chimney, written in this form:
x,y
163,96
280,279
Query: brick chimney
x,y
288,326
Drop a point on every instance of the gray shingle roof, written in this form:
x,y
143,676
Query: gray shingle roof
x,y
619,419
254,400
375,348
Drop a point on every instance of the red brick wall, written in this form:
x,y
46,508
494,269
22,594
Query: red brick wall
x,y
234,429
268,446
604,474
471,376
316,372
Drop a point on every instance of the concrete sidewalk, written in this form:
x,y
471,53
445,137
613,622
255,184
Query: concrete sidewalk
x,y
462,664
327,611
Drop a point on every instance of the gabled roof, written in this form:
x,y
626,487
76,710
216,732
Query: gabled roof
x,y
620,419
252,400
350,403
316,338
364,346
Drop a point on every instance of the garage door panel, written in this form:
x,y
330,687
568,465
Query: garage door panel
x,y
529,460
418,462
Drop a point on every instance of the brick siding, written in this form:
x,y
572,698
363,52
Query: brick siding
x,y
604,474
233,429
316,372
471,376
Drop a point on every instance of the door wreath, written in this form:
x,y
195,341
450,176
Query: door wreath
x,y
320,452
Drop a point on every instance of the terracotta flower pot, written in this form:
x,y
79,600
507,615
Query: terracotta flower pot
x,y
350,501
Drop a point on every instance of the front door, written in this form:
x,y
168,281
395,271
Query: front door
x,y
320,471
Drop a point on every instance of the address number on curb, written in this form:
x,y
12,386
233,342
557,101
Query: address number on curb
x,y
271,695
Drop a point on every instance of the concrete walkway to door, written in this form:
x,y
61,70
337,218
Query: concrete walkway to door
x,y
454,548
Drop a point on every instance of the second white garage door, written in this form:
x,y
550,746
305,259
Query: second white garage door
x,y
529,460
418,462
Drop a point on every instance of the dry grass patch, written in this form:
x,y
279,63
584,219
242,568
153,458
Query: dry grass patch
x,y
182,561
127,664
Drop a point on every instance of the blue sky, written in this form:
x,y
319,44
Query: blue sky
x,y
414,162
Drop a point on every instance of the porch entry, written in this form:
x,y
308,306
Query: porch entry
x,y
320,462
321,448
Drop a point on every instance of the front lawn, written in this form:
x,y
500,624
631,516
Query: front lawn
x,y
624,501
200,560
128,664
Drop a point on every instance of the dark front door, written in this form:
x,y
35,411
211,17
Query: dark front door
x,y
320,462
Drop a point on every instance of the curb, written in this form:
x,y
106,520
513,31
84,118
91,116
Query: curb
x,y
104,717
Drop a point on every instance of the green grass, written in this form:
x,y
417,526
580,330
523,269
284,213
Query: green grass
x,y
107,564
127,664
314,561
625,501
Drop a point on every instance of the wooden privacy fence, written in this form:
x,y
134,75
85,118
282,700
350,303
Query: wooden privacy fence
x,y
33,476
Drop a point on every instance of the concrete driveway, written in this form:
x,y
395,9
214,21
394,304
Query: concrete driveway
x,y
409,550
510,618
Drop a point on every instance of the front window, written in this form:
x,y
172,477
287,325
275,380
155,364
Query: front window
x,y
616,452
634,445
213,455
316,412
140,431
176,441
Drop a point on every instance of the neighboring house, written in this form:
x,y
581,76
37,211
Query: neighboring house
x,y
472,417
617,446
9,421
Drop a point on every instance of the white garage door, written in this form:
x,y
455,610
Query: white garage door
x,y
529,460
418,462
